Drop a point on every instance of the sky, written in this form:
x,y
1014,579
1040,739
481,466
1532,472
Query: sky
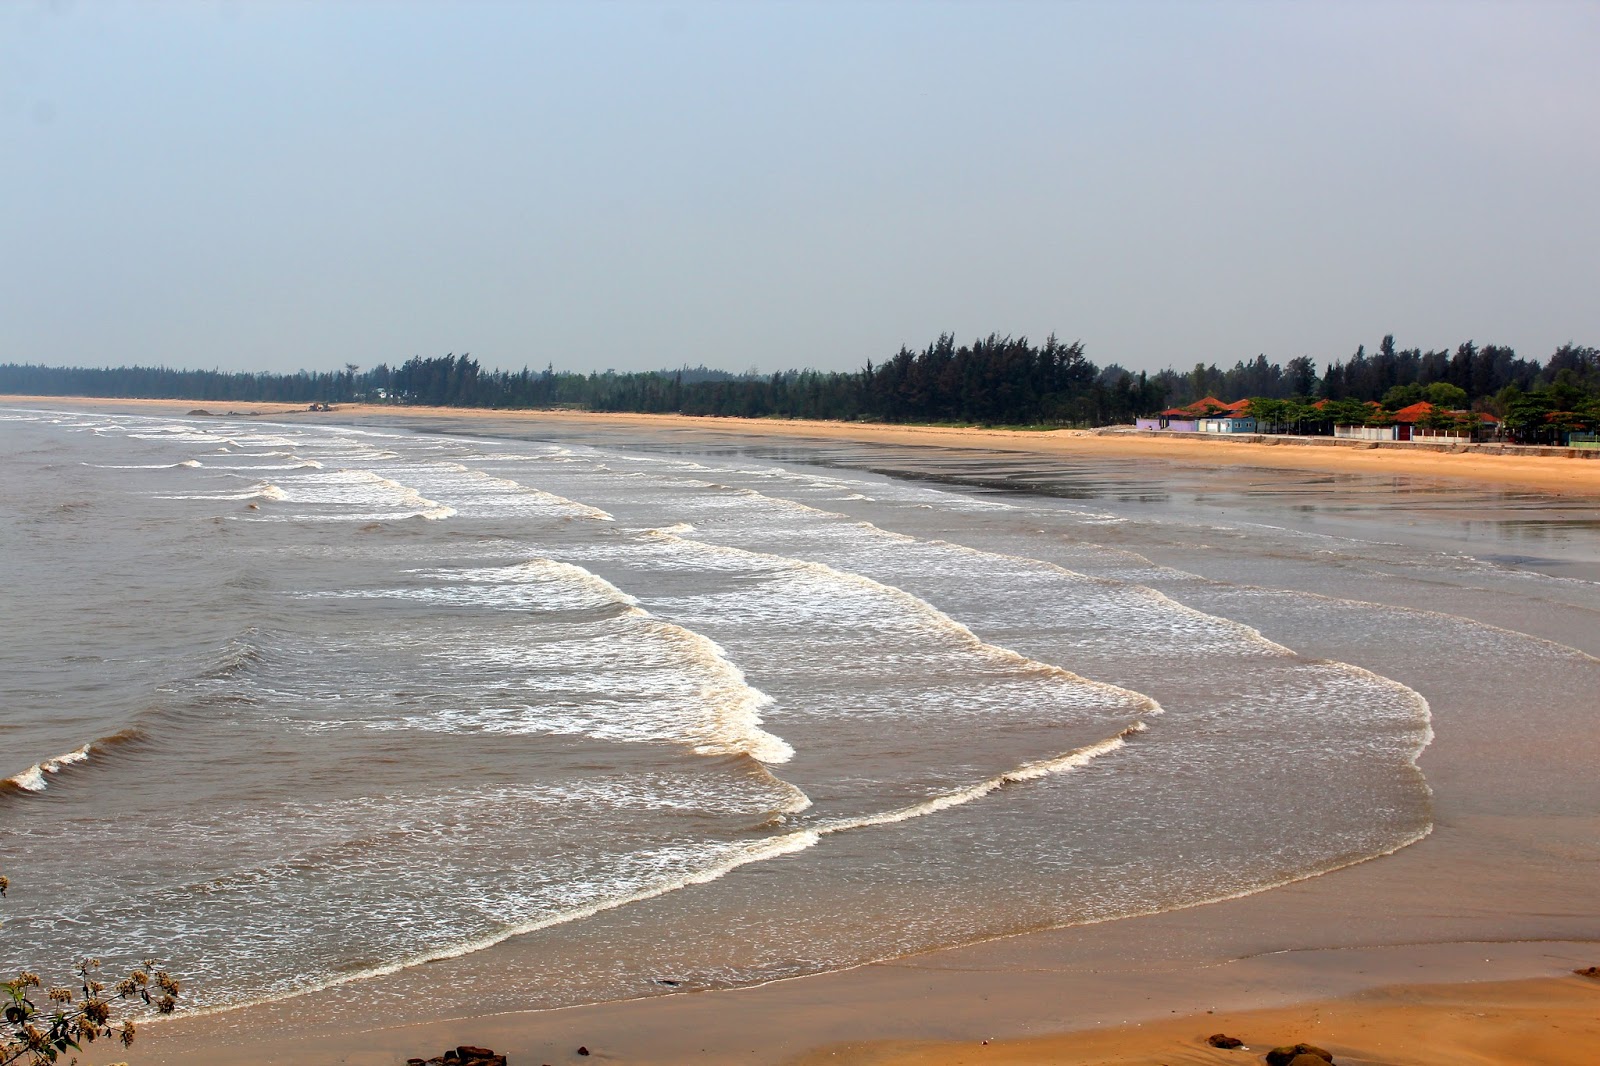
x,y
279,185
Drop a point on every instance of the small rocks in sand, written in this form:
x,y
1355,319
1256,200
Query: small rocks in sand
x,y
465,1055
583,1051
1589,971
1223,1040
1298,1055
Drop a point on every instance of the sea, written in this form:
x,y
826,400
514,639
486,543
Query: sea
x,y
297,706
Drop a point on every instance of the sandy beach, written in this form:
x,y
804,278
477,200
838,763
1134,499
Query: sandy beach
x,y
1457,949
1537,473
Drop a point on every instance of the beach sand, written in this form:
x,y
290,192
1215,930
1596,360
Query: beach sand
x,y
1458,949
1539,473
1534,1021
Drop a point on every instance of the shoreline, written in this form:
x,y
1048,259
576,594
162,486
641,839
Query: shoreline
x,y
1417,1005
1570,474
1345,943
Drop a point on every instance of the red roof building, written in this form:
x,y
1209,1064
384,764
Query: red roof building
x,y
1418,411
1415,413
1199,408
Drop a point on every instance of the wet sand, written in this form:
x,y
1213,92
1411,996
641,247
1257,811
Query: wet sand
x,y
1456,949
1017,1003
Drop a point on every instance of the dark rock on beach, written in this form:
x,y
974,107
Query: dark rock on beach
x,y
1223,1040
1298,1055
1589,971
465,1055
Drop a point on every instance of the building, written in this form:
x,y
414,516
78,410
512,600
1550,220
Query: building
x,y
1209,415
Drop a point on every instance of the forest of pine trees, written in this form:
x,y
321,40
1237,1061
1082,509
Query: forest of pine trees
x,y
996,380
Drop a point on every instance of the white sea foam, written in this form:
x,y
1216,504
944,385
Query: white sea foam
x,y
357,488
731,858
297,464
687,690
187,463
1031,771
181,435
827,587
488,492
33,778
262,491
538,584
723,859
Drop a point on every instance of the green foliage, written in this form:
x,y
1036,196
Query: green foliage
x,y
1267,411
1477,372
38,1034
1348,412
1444,394
1448,421
995,380
1402,396
1549,415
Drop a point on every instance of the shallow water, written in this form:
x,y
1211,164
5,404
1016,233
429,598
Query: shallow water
x,y
293,706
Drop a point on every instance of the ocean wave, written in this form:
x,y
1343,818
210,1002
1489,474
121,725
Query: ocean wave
x,y
35,777
732,857
505,493
829,581
238,656
1154,596
264,490
296,464
358,488
185,464
725,859
1075,759
736,706
688,690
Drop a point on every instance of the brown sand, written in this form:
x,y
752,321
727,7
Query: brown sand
x,y
1335,960
1537,473
1554,1020
927,1011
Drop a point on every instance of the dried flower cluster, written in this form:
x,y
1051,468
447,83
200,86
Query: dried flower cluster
x,y
35,1035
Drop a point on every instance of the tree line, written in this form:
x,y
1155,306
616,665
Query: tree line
x,y
1536,403
994,380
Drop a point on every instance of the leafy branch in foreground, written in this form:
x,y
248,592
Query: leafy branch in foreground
x,y
35,1035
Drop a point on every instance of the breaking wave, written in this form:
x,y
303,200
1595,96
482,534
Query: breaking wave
x,y
728,858
36,777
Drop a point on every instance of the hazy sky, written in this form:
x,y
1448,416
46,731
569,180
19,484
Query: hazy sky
x,y
279,185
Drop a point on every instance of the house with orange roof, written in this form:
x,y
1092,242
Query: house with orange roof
x,y
1422,421
1207,415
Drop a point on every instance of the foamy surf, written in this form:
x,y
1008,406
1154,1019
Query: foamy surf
x,y
735,857
262,491
693,693
36,777
735,706
732,857
356,489
33,778
828,580
187,464
463,658
1032,771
